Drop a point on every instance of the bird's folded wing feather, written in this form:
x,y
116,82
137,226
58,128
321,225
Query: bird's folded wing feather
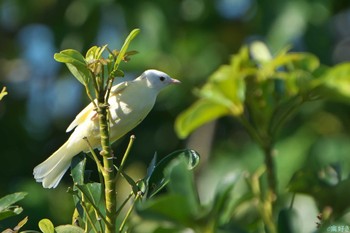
x,y
82,116
87,111
119,87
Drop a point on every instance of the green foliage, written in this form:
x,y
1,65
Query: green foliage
x,y
259,90
155,180
88,198
266,88
17,228
46,226
94,71
7,207
180,208
262,92
3,93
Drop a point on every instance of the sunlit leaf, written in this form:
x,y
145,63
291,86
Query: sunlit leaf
x,y
75,63
90,54
260,52
201,112
46,226
124,48
21,224
69,229
294,61
70,56
3,93
225,87
336,81
94,53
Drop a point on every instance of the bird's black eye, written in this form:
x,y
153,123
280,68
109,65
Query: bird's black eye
x,y
162,78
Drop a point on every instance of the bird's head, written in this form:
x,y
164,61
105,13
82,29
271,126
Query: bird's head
x,y
157,79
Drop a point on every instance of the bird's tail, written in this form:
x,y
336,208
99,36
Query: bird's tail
x,y
51,171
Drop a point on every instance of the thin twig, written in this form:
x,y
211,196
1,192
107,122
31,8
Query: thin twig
x,y
129,212
127,151
86,212
92,204
97,161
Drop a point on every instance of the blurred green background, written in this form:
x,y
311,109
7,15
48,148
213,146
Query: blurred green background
x,y
188,39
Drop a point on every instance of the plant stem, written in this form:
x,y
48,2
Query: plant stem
x,y
131,141
129,212
264,202
270,168
108,168
267,146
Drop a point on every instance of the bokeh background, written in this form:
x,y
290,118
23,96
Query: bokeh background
x,y
188,39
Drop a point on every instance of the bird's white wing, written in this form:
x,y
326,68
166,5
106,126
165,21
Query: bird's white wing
x,y
88,111
119,87
82,116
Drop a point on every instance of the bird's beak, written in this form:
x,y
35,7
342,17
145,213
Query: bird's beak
x,y
174,81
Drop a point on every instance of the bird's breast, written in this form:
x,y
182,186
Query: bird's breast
x,y
127,111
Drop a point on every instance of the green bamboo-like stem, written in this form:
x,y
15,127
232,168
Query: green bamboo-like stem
x,y
108,168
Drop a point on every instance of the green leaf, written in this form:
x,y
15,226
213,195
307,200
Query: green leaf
x,y
201,112
3,93
94,53
336,82
156,180
295,61
46,226
21,224
76,64
70,56
78,169
69,229
13,211
324,188
223,94
172,208
220,210
92,210
181,182
260,52
7,207
124,48
288,221
8,200
90,54
225,87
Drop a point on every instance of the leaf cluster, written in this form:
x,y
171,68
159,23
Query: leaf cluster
x,y
262,91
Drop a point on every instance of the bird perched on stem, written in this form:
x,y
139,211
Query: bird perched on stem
x,y
129,103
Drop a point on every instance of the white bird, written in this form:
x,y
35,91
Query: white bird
x,y
129,104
